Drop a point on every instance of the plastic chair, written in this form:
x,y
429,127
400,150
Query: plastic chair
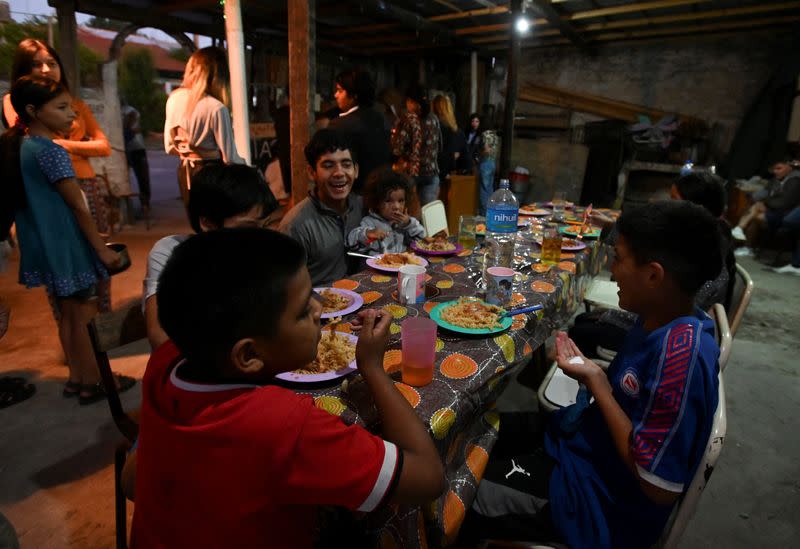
x,y
687,504
742,293
434,218
602,293
558,390
108,331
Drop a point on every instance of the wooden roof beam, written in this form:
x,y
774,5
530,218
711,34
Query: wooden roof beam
x,y
555,19
694,29
470,13
694,16
630,8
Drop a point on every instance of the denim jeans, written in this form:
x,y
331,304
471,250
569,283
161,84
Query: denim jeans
x,y
486,170
427,188
791,223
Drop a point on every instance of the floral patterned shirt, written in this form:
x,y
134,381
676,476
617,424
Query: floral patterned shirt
x,y
416,144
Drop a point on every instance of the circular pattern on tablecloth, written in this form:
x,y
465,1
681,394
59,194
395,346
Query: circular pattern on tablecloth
x,y
410,394
397,311
477,459
394,329
540,267
465,253
453,512
444,284
391,360
568,266
506,344
436,260
346,284
441,422
453,268
458,366
371,297
429,305
542,287
331,404
381,279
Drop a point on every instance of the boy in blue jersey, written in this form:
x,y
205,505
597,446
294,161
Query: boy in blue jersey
x,y
607,474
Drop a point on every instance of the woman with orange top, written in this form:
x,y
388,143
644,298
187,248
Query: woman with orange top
x,y
85,139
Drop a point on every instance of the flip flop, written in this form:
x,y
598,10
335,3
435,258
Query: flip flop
x,y
71,389
97,392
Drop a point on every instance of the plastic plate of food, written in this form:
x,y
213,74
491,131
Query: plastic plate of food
x,y
336,358
588,232
534,211
568,244
567,205
391,263
338,302
470,316
437,244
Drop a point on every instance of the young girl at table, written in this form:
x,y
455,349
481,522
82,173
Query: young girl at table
x,y
607,474
387,228
60,247
226,457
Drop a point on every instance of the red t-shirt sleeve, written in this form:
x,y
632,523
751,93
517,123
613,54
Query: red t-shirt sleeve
x,y
337,464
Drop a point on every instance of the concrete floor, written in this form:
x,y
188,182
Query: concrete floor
x,y
56,473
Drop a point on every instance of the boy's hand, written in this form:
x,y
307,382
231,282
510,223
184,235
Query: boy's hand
x,y
575,365
373,338
376,234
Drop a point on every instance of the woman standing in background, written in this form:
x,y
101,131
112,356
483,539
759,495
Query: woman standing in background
x,y
198,124
453,140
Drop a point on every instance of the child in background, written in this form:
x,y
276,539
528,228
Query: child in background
x,y
60,247
387,228
607,474
223,195
226,457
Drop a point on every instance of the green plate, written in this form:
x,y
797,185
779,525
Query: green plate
x,y
436,316
591,234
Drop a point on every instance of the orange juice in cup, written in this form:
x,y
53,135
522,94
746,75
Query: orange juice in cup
x,y
551,244
418,340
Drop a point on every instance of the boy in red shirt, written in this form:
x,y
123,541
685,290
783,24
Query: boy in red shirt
x,y
225,458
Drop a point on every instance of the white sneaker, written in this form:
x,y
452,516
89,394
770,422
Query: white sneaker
x,y
788,269
738,234
743,252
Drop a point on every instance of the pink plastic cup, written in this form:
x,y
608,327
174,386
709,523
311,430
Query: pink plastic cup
x,y
418,338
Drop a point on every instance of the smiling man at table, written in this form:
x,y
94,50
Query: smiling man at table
x,y
321,221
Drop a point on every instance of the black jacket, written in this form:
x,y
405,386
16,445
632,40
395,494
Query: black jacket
x,y
785,197
366,130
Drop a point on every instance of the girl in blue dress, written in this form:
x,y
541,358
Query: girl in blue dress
x,y
60,247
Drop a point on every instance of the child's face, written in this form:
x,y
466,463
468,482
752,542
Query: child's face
x,y
56,115
44,65
294,345
394,203
632,278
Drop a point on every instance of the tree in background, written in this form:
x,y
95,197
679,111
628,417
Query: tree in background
x,y
137,84
12,33
106,23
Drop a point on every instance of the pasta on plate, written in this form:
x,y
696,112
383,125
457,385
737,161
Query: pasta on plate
x,y
471,313
334,352
334,301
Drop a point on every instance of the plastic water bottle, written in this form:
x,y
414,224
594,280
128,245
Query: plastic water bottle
x,y
502,213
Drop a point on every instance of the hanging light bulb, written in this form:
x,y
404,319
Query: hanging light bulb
x,y
522,24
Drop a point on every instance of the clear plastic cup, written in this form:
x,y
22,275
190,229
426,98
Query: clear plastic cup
x,y
418,340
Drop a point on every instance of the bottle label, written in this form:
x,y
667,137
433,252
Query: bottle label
x,y
501,220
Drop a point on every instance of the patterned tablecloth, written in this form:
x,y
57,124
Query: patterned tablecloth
x,y
470,373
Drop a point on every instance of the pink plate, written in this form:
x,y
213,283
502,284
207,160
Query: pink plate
x,y
327,376
356,301
373,262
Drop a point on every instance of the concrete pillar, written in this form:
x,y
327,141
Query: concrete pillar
x,y
234,34
115,166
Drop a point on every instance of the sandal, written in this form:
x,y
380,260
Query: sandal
x,y
97,391
13,393
71,389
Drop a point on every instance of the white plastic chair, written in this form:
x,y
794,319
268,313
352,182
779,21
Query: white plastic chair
x,y
434,218
723,334
743,285
602,293
687,505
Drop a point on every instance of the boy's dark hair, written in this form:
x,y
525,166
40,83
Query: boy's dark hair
x,y
683,237
380,183
472,117
220,191
28,90
359,85
326,141
704,189
22,65
221,286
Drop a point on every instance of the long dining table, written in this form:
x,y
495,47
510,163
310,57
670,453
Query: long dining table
x,y
470,373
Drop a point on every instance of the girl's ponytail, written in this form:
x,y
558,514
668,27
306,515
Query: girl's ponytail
x,y
28,90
